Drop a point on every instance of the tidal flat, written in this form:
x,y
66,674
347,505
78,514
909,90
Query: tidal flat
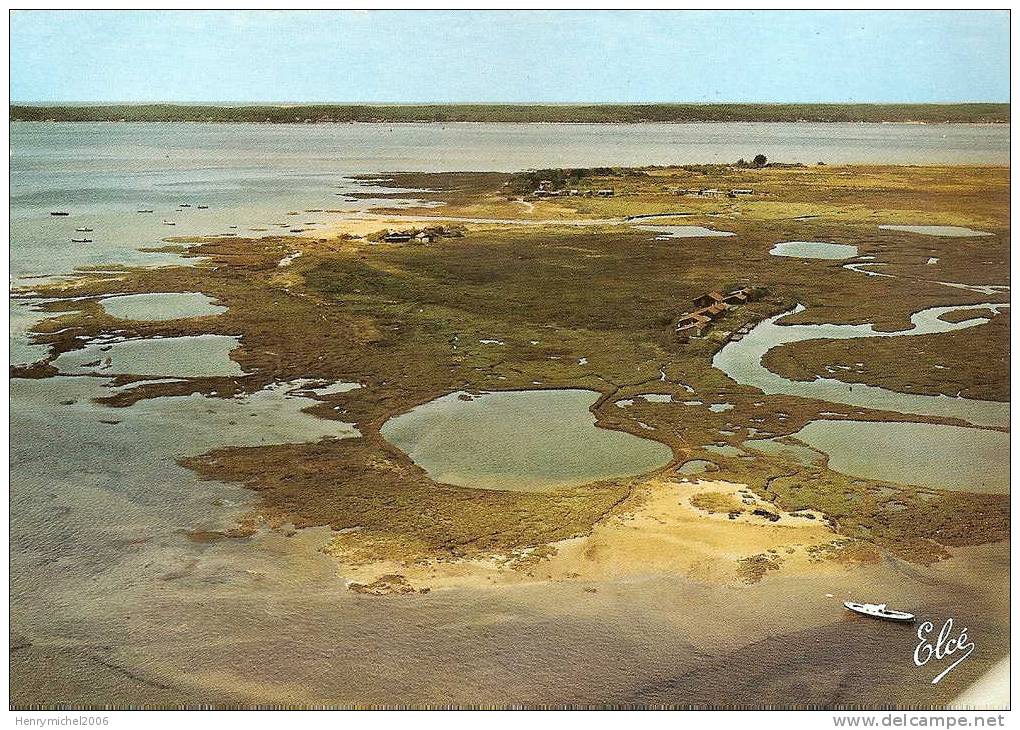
x,y
716,585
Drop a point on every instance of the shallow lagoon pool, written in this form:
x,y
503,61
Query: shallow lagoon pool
x,y
194,356
814,250
161,307
524,440
944,231
923,454
667,232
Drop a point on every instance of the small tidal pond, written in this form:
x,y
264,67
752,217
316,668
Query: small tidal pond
x,y
814,250
943,231
161,307
667,232
922,454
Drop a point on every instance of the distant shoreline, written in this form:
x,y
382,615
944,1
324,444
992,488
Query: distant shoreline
x,y
972,113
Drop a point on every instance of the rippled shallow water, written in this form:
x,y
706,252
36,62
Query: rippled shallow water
x,y
86,476
527,440
23,316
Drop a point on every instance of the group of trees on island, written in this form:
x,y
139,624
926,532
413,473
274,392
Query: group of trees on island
x,y
759,160
527,181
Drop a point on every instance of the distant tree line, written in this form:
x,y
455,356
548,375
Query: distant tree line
x,y
592,113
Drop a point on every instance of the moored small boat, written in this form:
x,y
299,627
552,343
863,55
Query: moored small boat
x,y
879,610
58,212
146,210
83,230
81,240
169,223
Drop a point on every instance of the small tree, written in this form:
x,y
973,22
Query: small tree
x,y
760,160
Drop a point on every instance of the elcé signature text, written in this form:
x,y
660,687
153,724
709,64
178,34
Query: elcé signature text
x,y
942,646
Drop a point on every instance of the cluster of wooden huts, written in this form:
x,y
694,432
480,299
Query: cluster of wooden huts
x,y
710,306
546,189
424,235
714,192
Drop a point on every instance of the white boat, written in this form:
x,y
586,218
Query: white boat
x,y
879,610
169,223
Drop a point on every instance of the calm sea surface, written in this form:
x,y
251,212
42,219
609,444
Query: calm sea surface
x,y
252,174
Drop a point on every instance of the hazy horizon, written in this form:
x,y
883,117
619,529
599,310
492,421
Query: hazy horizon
x,y
233,103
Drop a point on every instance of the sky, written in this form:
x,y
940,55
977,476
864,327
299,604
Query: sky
x,y
509,56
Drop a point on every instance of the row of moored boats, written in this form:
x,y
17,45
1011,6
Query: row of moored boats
x,y
64,214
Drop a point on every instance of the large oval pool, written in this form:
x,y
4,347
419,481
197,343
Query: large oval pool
x,y
523,440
